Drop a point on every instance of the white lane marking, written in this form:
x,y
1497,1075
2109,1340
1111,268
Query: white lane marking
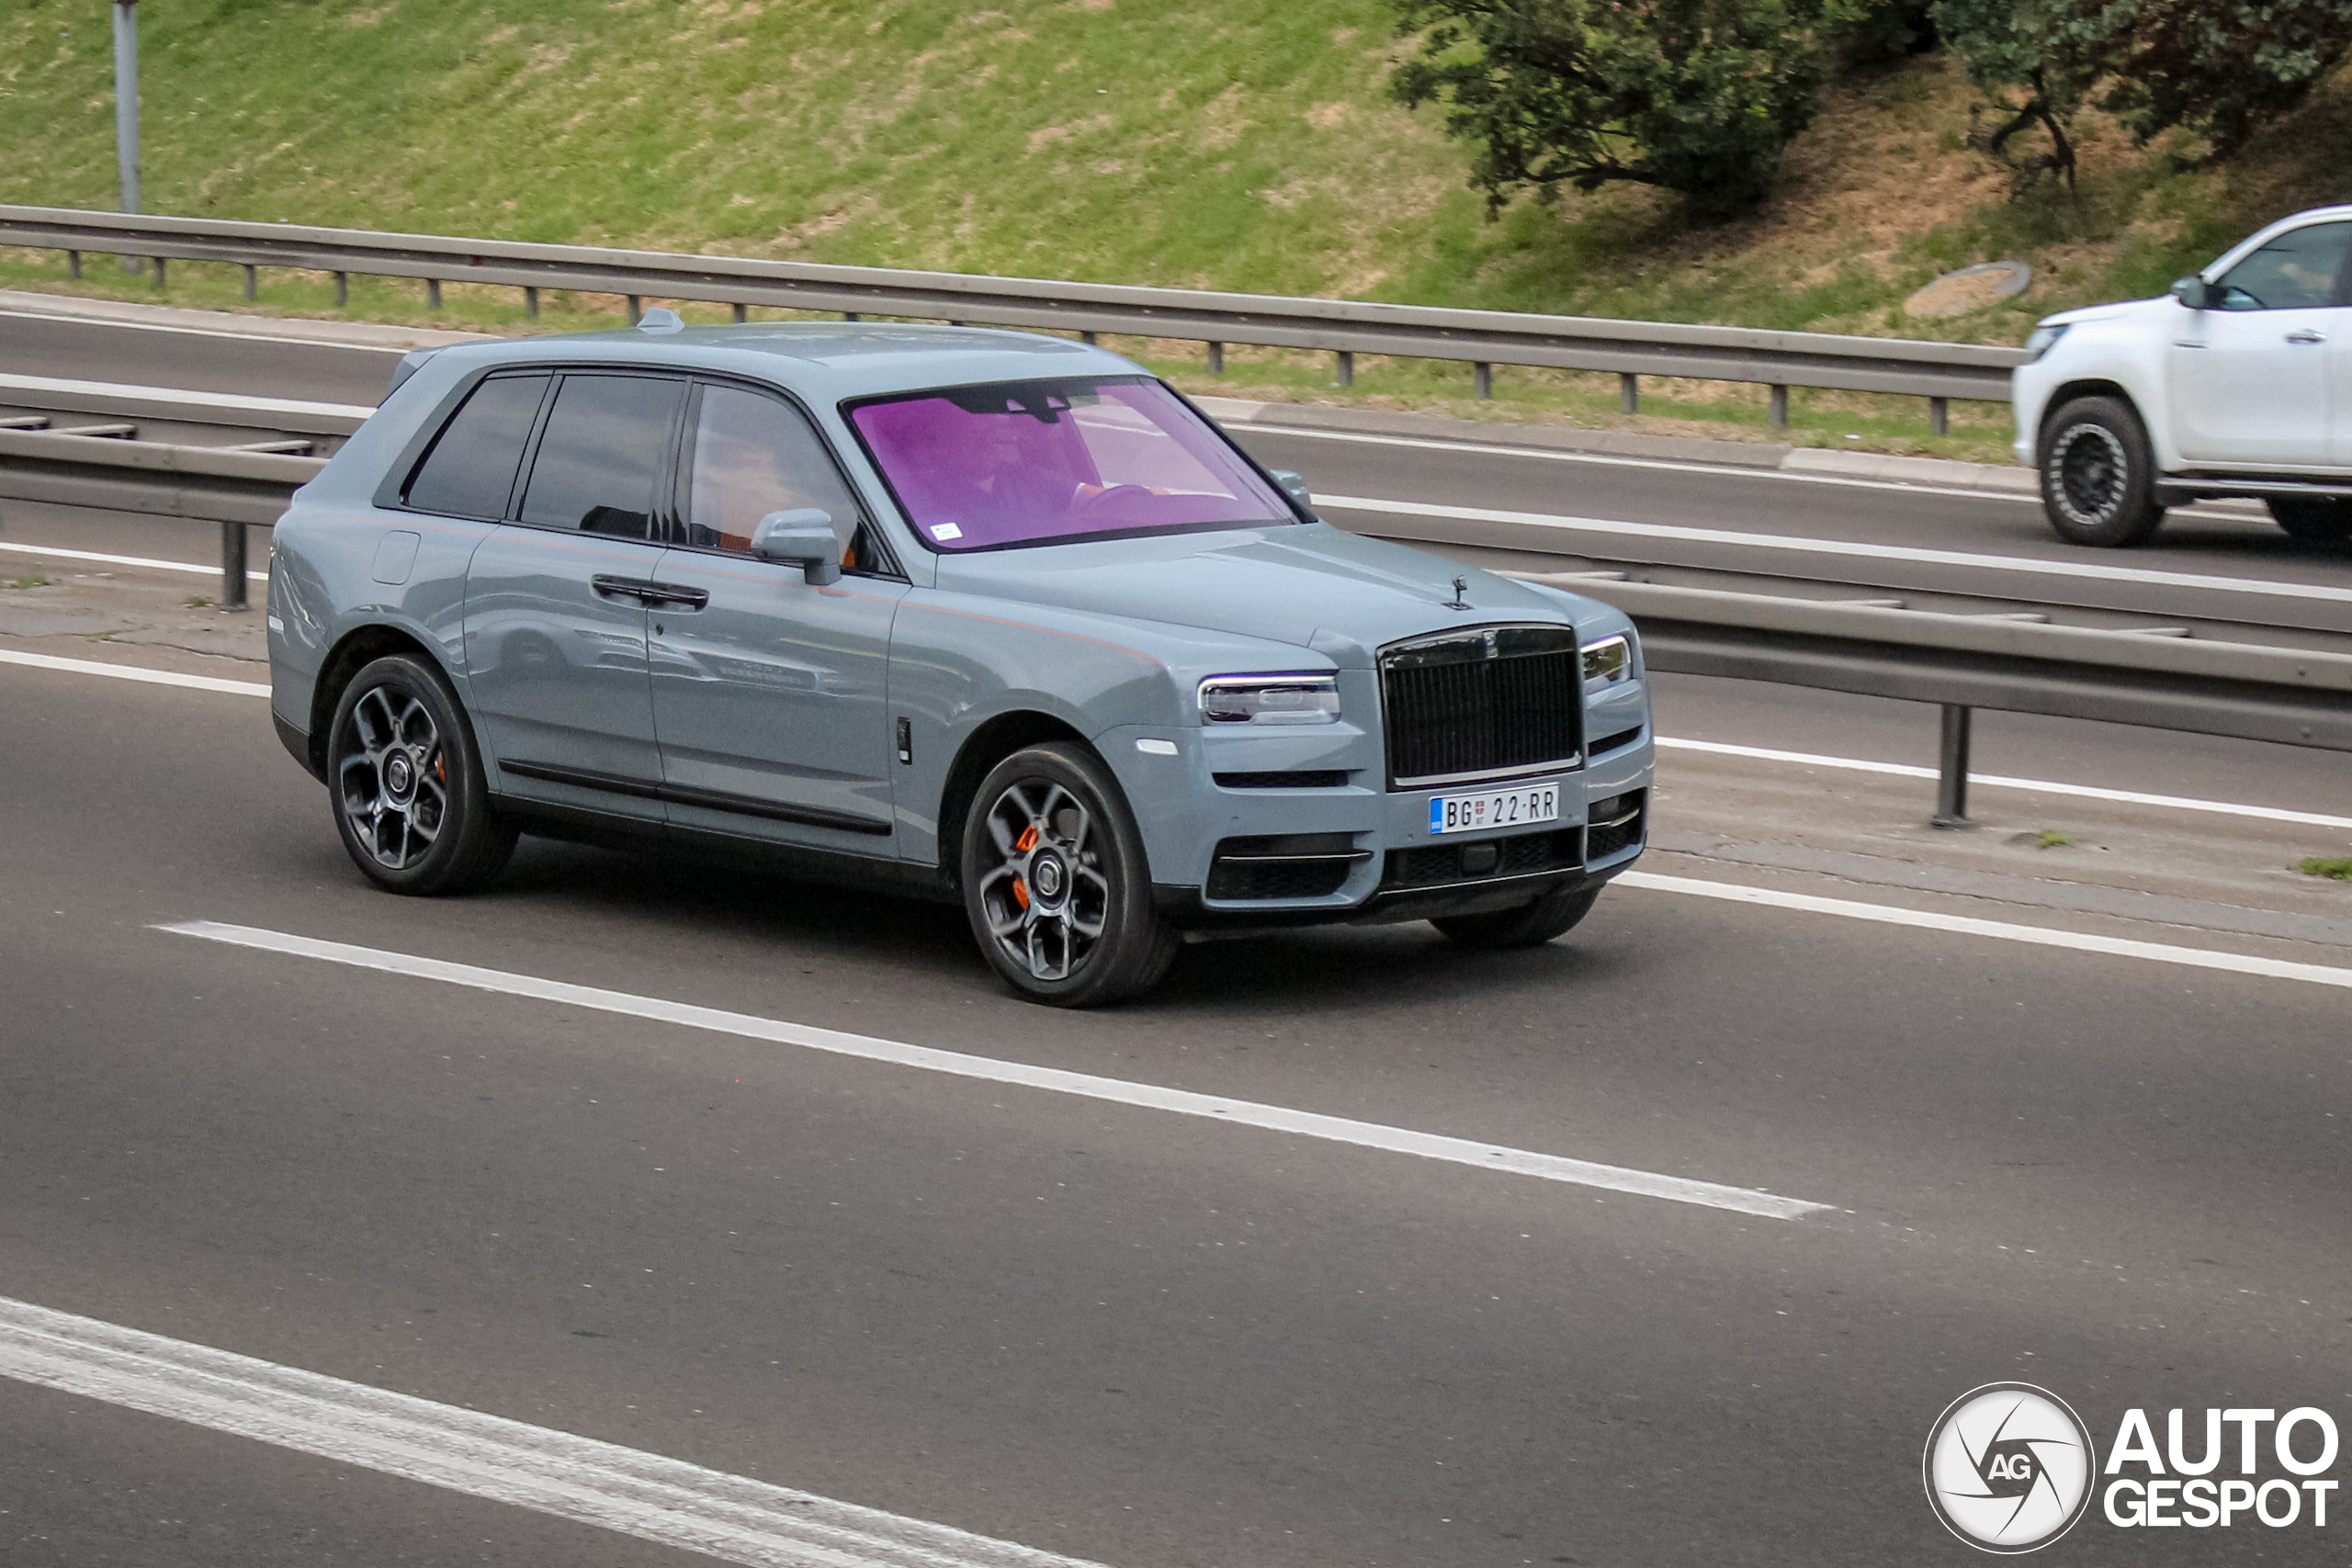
x,y
2025,565
148,561
2002,931
240,402
626,1490
135,672
1716,470
76,318
1609,460
1119,1091
1996,780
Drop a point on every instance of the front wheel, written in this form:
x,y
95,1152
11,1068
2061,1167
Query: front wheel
x,y
410,798
2098,474
2315,520
1056,883
1529,925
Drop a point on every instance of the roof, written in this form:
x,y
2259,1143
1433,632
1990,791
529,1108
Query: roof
x,y
824,361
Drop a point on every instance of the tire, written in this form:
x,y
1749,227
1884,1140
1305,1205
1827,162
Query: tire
x,y
2098,474
2312,519
1049,850
405,780
1530,925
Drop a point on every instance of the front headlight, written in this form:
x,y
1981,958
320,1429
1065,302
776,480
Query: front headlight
x,y
2043,339
1270,699
1608,663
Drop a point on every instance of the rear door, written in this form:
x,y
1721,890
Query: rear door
x,y
2252,381
770,695
557,601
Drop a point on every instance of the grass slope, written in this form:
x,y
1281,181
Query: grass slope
x,y
1215,144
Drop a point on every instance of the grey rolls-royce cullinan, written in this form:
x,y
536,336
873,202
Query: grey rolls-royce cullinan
x,y
985,615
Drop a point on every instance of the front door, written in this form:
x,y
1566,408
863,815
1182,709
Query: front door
x,y
770,695
556,603
2249,381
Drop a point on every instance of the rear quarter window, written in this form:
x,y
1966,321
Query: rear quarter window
x,y
469,470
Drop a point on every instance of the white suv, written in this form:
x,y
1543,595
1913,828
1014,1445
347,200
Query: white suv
x,y
2239,383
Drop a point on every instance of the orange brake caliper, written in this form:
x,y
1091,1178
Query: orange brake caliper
x,y
1027,842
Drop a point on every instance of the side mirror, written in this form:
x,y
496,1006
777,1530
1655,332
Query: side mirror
x,y
802,537
2196,293
1294,487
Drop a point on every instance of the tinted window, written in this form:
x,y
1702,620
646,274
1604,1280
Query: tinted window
x,y
2296,271
471,470
1032,462
755,454
602,454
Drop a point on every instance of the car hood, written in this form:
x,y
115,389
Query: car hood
x,y
2106,313
1286,584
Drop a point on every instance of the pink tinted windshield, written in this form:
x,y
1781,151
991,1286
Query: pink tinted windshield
x,y
982,468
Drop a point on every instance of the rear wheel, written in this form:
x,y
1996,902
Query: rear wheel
x,y
410,798
2098,474
1056,883
2313,519
1530,925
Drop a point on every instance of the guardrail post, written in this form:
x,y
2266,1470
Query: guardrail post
x,y
159,273
1482,380
1629,393
73,265
253,281
1217,359
433,294
635,309
530,303
342,290
742,314
1951,779
1779,405
233,567
1086,338
1939,416
1343,368
850,316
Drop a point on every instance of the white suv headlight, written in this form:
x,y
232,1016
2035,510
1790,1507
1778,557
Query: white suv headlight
x,y
1270,699
2043,339
1608,663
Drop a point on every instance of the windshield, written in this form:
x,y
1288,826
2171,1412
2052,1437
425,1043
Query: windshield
x,y
1037,462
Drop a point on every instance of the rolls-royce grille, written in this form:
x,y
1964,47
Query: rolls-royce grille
x,y
1482,704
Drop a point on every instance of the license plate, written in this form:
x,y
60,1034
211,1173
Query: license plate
x,y
1494,808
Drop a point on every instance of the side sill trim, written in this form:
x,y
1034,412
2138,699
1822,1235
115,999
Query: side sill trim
x,y
709,799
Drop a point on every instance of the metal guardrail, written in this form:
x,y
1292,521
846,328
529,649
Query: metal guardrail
x,y
2289,696
1937,371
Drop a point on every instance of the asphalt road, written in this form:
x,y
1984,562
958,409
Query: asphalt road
x,y
1104,1331
1133,1337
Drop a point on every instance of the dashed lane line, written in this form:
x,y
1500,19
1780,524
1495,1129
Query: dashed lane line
x,y
134,673
1118,1091
1999,931
151,563
644,1495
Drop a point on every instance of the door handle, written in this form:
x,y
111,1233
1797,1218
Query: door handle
x,y
622,587
677,595
2306,334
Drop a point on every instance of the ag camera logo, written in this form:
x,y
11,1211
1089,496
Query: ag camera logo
x,y
2009,1467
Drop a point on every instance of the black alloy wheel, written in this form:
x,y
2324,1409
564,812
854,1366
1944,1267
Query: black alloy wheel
x,y
2098,478
1529,925
1056,883
410,798
2315,520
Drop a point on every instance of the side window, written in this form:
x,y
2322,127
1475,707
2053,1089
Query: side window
x,y
470,472
604,454
2299,270
755,454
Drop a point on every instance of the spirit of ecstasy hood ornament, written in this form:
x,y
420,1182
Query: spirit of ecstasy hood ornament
x,y
1461,600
